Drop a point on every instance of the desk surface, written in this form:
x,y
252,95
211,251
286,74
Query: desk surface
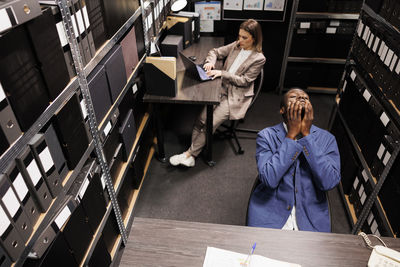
x,y
190,90
155,242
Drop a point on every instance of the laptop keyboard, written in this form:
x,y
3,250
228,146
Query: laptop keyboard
x,y
202,73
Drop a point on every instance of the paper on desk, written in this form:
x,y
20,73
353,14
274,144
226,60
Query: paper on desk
x,y
216,257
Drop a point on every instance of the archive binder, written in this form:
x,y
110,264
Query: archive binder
x,y
99,92
46,164
20,78
128,134
129,51
55,149
10,239
114,64
14,209
195,19
180,26
23,193
16,12
46,44
9,127
32,176
160,73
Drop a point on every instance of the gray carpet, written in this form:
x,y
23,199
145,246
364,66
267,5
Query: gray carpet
x,y
218,194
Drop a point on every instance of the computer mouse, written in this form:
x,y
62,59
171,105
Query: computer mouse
x,y
192,58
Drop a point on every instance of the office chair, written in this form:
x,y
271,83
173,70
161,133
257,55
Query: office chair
x,y
255,184
232,128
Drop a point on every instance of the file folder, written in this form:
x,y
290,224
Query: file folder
x,y
10,239
99,92
20,78
140,45
114,64
33,178
93,202
180,26
96,19
100,256
23,193
56,152
115,163
14,208
128,134
46,44
195,20
8,123
46,164
129,51
160,73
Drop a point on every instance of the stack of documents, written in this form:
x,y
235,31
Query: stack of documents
x,y
216,257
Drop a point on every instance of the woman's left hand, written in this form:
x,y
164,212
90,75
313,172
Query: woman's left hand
x,y
214,73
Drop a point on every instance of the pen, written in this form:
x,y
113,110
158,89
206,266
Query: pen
x,y
246,262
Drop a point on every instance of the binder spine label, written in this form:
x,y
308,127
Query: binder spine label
x,y
11,202
34,172
46,159
4,221
20,187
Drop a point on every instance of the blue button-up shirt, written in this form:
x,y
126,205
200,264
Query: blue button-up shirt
x,y
294,173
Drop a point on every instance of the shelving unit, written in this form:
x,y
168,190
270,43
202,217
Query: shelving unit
x,y
367,109
302,66
95,149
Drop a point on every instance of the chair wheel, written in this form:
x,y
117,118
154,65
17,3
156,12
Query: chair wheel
x,y
241,151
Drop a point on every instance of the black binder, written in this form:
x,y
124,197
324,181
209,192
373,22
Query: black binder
x,y
34,179
14,209
10,238
114,64
24,195
46,43
46,164
100,256
99,92
56,152
9,127
128,134
5,260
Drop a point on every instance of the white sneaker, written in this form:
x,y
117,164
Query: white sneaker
x,y
182,159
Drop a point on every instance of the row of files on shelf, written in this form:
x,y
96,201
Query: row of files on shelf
x,y
376,136
34,71
387,9
331,6
38,174
376,48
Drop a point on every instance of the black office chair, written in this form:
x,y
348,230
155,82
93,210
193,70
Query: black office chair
x,y
255,184
231,129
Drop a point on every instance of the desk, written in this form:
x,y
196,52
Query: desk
x,y
191,91
155,242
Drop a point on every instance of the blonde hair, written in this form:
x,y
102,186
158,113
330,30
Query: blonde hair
x,y
254,29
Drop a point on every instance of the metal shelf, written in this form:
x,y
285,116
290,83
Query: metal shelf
x,y
372,13
317,60
327,15
102,52
63,98
121,96
351,214
45,218
382,214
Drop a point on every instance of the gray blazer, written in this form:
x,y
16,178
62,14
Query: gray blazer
x,y
240,86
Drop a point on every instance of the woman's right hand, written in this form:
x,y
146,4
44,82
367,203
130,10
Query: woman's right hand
x,y
208,66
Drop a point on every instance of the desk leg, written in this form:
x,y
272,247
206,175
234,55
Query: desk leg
x,y
160,134
209,136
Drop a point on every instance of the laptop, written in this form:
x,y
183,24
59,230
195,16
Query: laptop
x,y
196,69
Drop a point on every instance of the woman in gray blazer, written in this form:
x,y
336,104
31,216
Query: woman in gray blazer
x,y
243,62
